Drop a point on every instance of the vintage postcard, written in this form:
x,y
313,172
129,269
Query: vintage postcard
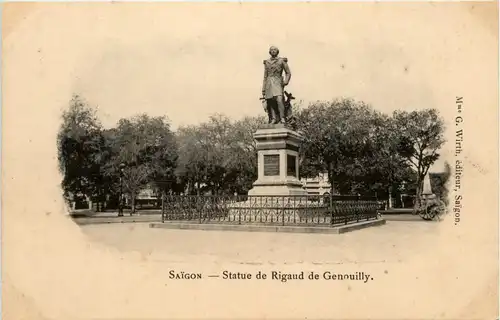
x,y
250,160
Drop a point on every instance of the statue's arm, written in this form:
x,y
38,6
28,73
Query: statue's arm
x,y
265,78
288,73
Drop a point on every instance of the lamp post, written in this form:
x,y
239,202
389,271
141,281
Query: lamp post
x,y
120,200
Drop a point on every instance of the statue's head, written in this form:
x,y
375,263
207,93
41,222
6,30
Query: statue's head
x,y
274,51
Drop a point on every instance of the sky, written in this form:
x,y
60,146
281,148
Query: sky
x,y
188,61
208,66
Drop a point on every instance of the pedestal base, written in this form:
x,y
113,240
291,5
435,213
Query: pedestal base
x,y
277,190
278,162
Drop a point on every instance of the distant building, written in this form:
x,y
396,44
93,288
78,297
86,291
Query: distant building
x,y
318,185
147,196
147,193
79,201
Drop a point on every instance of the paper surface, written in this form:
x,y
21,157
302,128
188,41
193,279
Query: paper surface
x,y
191,60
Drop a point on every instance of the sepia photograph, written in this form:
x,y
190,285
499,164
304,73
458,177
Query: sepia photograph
x,y
250,160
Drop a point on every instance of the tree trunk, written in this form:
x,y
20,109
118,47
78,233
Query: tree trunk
x,y
132,202
101,201
389,191
418,196
330,177
163,198
98,206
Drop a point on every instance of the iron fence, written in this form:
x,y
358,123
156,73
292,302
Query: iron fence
x,y
270,210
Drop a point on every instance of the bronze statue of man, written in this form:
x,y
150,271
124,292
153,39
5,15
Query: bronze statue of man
x,y
274,84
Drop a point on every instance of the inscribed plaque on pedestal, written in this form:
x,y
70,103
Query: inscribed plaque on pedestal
x,y
272,165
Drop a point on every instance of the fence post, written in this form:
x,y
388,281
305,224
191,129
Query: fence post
x,y
369,214
357,206
236,198
346,218
163,206
331,210
283,209
198,208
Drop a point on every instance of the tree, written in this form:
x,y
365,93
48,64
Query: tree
x,y
386,168
422,135
218,143
147,147
244,153
337,135
310,166
219,155
80,151
192,157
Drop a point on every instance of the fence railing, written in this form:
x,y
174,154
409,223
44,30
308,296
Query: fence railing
x,y
270,210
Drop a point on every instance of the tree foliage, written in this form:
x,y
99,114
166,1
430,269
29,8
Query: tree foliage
x,y
147,149
362,150
337,140
219,155
422,135
365,151
244,150
80,150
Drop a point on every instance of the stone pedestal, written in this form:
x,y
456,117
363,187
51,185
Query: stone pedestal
x,y
427,193
278,162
